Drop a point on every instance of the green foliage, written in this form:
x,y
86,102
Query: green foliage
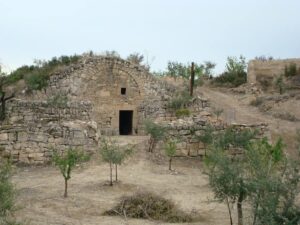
x,y
279,83
176,69
114,154
58,100
36,80
235,73
182,113
7,195
291,70
170,150
262,176
156,132
181,100
7,192
36,76
67,161
149,206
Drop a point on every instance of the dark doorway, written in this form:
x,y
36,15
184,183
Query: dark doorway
x,y
125,122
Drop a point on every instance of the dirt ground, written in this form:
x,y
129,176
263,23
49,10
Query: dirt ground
x,y
41,190
237,109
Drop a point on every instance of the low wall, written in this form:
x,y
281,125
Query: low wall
x,y
33,129
185,132
258,69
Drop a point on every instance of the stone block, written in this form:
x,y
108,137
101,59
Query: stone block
x,y
3,136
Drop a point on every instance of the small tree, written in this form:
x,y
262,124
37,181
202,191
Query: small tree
x,y
121,154
156,132
170,150
218,112
114,155
206,137
279,83
67,161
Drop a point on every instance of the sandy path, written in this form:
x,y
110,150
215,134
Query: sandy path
x,y
237,109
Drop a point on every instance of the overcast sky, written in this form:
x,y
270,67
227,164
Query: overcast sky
x,y
163,30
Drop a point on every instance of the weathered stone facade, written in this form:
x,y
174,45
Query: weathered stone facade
x,y
34,129
269,69
98,91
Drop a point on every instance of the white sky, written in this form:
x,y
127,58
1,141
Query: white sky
x,y
177,30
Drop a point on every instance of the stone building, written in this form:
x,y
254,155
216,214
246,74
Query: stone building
x,y
117,90
104,96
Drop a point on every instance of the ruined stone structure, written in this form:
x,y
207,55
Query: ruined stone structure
x,y
259,70
101,96
105,96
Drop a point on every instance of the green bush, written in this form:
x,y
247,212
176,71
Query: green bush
x,y
182,112
58,100
36,81
181,100
7,195
235,73
290,70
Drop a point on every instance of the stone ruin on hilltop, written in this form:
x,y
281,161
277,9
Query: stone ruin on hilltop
x,y
105,96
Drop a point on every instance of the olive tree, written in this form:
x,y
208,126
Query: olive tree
x,y
156,132
170,150
66,161
114,155
260,175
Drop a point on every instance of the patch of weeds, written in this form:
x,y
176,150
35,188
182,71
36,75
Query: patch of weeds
x,y
286,116
182,113
149,206
58,100
257,101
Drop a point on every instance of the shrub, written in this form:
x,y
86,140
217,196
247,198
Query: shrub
x,y
181,100
58,100
36,80
182,112
235,73
7,195
257,101
290,70
149,206
279,83
286,116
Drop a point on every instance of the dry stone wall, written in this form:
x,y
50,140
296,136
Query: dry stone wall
x,y
259,70
33,129
185,131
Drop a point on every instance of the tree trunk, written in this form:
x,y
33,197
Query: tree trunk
x,y
66,188
192,79
110,167
116,172
229,211
240,209
170,163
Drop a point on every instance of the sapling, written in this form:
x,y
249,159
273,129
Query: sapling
x,y
170,150
66,161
